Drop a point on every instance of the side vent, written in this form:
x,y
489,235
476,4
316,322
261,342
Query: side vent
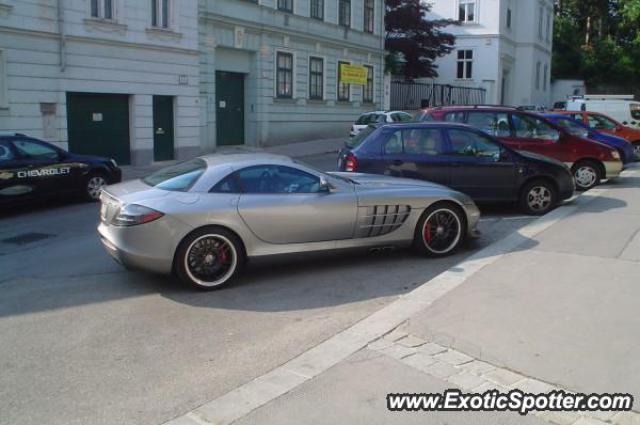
x,y
380,220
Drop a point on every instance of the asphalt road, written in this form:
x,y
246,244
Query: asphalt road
x,y
86,341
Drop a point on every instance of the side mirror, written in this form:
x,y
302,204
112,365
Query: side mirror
x,y
325,186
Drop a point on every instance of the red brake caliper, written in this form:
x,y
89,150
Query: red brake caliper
x,y
427,232
222,254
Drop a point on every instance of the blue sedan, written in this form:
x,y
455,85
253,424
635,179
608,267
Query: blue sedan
x,y
579,129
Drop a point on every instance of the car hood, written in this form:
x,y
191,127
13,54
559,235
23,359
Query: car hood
x,y
377,181
542,158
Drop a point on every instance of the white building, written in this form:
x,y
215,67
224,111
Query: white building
x,y
503,46
153,80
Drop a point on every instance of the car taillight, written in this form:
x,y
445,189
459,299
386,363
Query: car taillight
x,y
132,215
350,163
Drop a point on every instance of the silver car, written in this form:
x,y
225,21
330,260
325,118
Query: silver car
x,y
203,218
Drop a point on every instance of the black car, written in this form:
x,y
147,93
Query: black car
x,y
463,158
31,169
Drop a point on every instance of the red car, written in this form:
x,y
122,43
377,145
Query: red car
x,y
589,161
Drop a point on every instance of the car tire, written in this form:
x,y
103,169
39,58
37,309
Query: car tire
x,y
93,185
441,230
587,174
538,197
636,150
209,258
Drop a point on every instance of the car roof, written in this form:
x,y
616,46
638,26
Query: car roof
x,y
245,159
425,124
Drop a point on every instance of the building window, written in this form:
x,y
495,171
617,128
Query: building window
x,y
538,65
284,75
160,13
316,78
546,75
465,64
367,95
102,9
509,18
369,15
285,5
4,98
548,27
344,13
344,90
317,9
467,10
540,19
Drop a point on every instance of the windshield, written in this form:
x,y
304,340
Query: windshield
x,y
368,119
179,177
573,127
356,140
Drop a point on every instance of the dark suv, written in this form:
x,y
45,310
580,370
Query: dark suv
x,y
463,158
589,161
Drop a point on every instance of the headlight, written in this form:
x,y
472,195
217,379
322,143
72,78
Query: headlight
x,y
113,161
615,154
132,215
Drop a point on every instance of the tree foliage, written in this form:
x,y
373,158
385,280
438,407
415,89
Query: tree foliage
x,y
413,42
599,41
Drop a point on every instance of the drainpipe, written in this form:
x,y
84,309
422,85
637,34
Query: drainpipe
x,y
61,51
382,63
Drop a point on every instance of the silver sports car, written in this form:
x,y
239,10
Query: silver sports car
x,y
203,218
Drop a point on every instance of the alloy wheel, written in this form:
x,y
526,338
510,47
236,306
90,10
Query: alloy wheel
x,y
210,260
539,198
95,185
586,176
441,231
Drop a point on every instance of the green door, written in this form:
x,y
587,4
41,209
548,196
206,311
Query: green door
x,y
229,108
162,128
98,124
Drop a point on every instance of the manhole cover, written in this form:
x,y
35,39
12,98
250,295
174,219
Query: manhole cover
x,y
26,238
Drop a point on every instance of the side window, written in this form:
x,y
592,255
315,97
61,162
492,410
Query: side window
x,y
493,123
6,154
454,117
35,150
277,179
228,184
527,127
601,123
404,117
417,141
468,143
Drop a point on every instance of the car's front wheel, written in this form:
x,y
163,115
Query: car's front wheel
x,y
441,230
93,186
538,197
209,258
586,174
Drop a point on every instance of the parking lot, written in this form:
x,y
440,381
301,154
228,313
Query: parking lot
x,y
144,347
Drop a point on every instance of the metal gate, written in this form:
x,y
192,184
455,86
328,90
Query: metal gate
x,y
409,95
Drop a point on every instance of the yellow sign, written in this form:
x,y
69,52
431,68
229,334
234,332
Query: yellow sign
x,y
353,74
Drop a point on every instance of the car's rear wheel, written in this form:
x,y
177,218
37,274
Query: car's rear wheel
x,y
209,258
441,230
93,186
538,197
587,174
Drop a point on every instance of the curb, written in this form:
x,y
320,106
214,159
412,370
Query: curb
x,y
239,402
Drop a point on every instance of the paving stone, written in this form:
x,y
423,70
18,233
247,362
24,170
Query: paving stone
x,y
477,367
559,418
419,361
626,418
395,335
411,341
601,415
488,386
379,344
398,351
533,386
432,348
453,357
503,377
589,421
466,380
441,370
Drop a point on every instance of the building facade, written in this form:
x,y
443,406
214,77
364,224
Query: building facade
x,y
503,46
153,80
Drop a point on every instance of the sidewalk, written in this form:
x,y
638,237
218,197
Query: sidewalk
x,y
553,306
294,150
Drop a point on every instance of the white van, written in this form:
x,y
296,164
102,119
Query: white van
x,y
622,108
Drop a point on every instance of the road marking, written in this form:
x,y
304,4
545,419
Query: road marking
x,y
239,402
